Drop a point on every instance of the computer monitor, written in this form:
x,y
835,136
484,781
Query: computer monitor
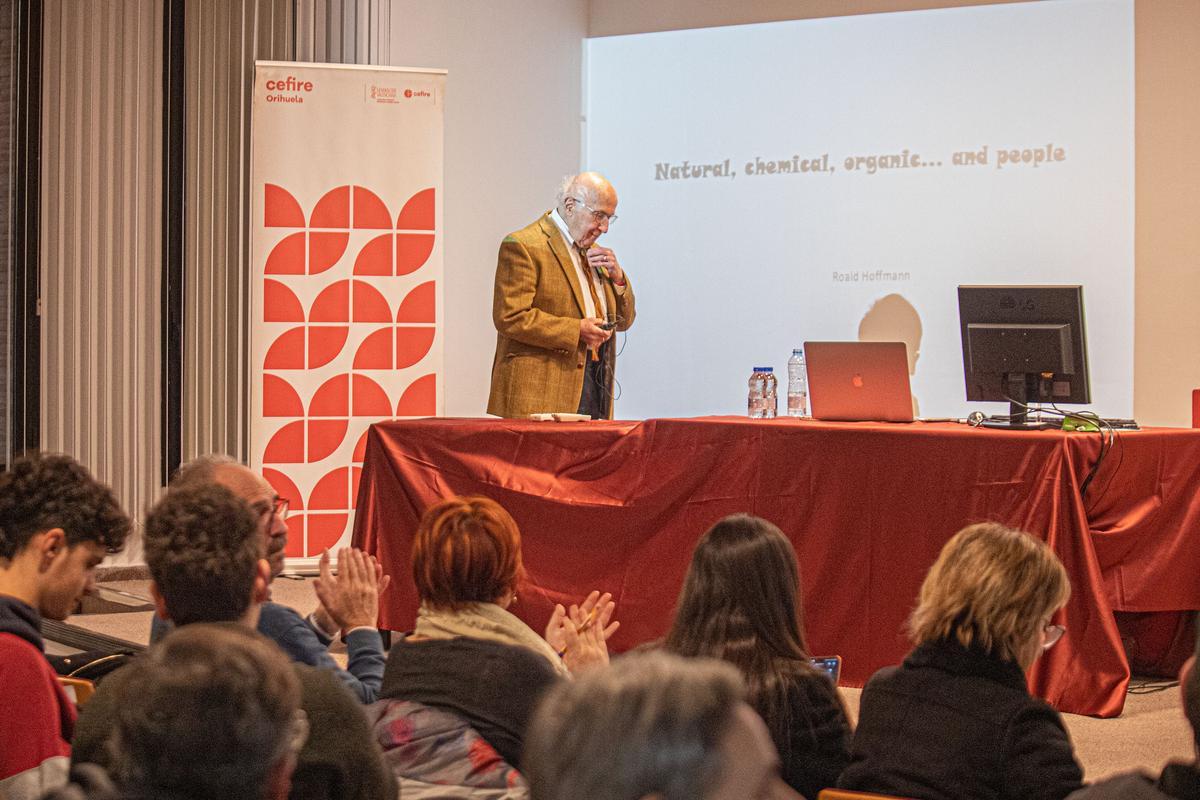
x,y
1024,344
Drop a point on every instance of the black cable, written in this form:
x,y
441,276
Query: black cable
x,y
1150,685
615,393
1108,435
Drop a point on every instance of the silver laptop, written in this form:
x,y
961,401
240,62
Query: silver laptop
x,y
859,381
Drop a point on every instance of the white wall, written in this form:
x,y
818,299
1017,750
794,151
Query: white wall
x,y
513,103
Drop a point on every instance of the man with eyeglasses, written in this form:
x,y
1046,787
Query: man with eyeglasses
x,y
558,297
204,551
348,602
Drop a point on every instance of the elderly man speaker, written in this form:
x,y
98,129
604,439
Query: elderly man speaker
x,y
558,298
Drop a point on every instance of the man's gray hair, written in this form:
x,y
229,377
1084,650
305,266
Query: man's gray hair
x,y
571,186
649,724
201,470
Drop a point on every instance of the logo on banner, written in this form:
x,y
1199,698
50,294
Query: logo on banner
x,y
417,93
383,94
288,90
349,315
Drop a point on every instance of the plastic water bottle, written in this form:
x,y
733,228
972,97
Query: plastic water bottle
x,y
797,396
756,400
770,394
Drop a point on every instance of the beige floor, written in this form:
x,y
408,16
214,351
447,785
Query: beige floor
x,y
1152,730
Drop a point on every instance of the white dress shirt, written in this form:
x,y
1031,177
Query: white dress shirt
x,y
588,306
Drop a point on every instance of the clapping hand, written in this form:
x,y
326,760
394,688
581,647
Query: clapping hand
x,y
580,634
351,599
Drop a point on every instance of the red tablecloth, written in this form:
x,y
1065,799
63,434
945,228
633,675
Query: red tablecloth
x,y
618,506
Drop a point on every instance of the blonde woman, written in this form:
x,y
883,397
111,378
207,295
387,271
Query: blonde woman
x,y
956,719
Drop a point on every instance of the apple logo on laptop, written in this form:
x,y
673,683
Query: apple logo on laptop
x,y
857,381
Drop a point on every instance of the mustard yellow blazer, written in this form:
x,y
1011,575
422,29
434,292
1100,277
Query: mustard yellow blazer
x,y
536,306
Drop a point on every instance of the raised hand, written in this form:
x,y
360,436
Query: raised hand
x,y
587,625
351,598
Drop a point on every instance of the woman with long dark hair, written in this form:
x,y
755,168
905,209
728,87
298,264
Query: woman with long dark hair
x,y
741,603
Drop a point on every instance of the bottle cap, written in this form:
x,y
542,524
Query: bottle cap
x,y
797,351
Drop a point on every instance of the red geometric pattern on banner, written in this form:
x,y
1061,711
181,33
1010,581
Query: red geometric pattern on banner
x,y
360,449
420,305
324,344
352,319
376,351
332,304
324,250
331,492
280,399
370,400
287,257
412,344
419,399
332,399
280,303
324,437
286,352
376,257
285,487
324,531
417,214
287,445
332,210
370,211
369,304
295,544
280,209
412,251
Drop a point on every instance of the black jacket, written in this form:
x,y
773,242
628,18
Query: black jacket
x,y
957,724
817,744
21,620
493,686
1178,782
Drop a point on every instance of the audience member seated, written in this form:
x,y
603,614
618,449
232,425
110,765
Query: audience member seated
x,y
435,754
467,654
204,551
741,603
652,726
956,719
216,716
348,603
1179,780
56,524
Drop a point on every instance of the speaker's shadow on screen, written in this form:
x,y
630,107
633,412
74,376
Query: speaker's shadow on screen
x,y
892,318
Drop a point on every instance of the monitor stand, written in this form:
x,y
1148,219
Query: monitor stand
x,y
1021,388
1018,419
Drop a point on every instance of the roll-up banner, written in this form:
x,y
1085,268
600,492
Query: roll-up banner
x,y
345,280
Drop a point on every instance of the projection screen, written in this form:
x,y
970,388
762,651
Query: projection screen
x,y
838,178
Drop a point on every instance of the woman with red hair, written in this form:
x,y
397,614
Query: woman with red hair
x,y
468,654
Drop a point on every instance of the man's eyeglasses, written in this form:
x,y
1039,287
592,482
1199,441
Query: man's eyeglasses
x,y
277,508
599,216
1051,634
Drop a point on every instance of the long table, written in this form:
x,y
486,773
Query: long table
x,y
619,505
